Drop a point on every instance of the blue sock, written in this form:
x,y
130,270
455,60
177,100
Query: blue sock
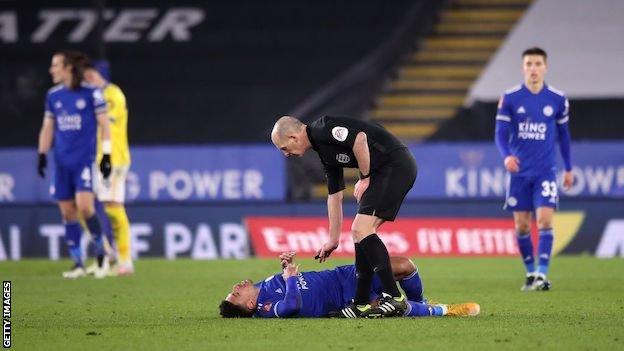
x,y
73,232
525,245
417,309
107,229
544,249
94,227
412,287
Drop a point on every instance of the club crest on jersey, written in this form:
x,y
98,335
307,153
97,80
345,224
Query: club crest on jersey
x,y
343,158
58,104
80,104
548,111
340,133
512,201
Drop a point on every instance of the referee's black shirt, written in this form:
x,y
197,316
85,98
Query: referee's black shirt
x,y
333,138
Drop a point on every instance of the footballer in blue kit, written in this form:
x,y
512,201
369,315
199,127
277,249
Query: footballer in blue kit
x,y
323,294
531,119
73,112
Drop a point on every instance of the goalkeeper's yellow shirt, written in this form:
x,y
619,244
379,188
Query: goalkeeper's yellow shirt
x,y
118,118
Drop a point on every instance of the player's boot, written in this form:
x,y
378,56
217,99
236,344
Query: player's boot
x,y
528,284
91,268
103,271
392,306
356,311
125,268
468,309
77,271
541,283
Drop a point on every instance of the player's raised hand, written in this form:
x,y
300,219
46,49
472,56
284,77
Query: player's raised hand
x,y
360,188
568,179
323,253
42,164
512,164
291,270
286,258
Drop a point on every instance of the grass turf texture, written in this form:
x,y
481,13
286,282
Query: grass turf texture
x,y
172,305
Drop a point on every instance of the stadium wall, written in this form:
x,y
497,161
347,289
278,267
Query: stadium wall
x,y
240,230
230,201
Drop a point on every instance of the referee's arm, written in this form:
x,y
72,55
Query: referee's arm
x,y
362,153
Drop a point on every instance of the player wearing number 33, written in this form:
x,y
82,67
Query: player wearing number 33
x,y
531,118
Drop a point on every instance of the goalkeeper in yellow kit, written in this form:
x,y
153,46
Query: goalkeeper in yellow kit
x,y
112,191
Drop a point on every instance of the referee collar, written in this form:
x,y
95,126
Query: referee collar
x,y
309,133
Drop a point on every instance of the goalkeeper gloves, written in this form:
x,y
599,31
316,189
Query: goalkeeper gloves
x,y
105,165
42,164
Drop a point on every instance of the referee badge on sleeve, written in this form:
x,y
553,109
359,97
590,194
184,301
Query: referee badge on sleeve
x,y
340,133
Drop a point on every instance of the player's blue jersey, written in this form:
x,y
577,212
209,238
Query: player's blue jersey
x,y
321,292
75,124
533,132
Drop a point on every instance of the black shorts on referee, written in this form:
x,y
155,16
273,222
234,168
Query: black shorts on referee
x,y
389,185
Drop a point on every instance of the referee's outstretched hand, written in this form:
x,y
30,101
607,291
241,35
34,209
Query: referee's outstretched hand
x,y
323,253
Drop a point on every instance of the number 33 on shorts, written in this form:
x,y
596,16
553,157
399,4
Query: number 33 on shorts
x,y
549,190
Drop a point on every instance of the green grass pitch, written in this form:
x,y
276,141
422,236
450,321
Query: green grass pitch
x,y
172,305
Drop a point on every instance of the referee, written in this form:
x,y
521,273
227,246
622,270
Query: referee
x,y
387,173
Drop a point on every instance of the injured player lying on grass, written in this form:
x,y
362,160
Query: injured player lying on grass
x,y
325,293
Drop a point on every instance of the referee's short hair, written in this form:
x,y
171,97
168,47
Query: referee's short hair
x,y
230,310
535,51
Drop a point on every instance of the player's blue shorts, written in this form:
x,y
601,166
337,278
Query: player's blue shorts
x,y
529,193
67,181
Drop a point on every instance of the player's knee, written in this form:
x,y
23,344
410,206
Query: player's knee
x,y
402,267
69,216
543,223
523,227
86,211
359,232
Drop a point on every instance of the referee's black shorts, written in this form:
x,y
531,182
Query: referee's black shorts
x,y
388,186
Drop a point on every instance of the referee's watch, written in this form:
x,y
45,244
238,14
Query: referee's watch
x,y
364,176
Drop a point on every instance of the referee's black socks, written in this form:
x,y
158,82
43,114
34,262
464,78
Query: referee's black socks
x,y
379,260
364,277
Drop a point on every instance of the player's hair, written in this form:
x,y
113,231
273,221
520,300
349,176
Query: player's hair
x,y
230,310
86,63
73,59
535,51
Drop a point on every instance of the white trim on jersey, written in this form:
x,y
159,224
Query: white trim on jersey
x,y
513,89
563,120
507,189
55,88
48,114
275,309
555,90
503,118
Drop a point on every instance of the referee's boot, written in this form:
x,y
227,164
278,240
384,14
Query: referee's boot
x,y
358,311
392,306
